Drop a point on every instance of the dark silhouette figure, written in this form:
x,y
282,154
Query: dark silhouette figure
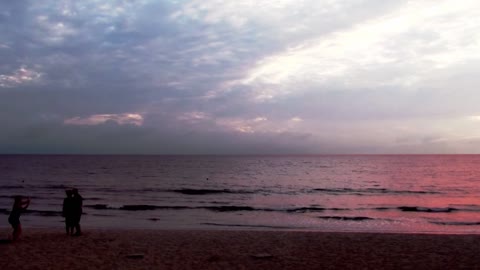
x,y
68,211
20,204
77,203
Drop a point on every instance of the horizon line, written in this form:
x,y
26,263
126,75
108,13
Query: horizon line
x,y
233,154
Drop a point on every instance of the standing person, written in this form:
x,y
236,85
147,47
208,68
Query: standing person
x,y
76,211
19,205
67,211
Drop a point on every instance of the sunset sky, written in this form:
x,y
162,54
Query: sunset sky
x,y
240,77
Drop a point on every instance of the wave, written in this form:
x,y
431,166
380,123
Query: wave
x,y
13,197
371,191
227,191
192,191
457,208
417,209
233,208
456,223
56,187
103,215
99,206
138,207
92,199
11,186
141,207
189,191
236,208
246,225
382,208
314,209
346,218
306,209
211,208
219,208
146,207
467,207
44,213
135,207
185,191
426,209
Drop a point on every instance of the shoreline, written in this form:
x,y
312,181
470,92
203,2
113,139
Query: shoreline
x,y
46,228
237,249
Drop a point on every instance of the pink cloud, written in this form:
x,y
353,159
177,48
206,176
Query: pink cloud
x,y
20,76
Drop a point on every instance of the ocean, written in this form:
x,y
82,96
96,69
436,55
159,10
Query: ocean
x,y
360,193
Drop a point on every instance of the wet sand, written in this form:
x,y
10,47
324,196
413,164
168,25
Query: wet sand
x,y
158,249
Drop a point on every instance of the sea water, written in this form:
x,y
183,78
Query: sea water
x,y
363,193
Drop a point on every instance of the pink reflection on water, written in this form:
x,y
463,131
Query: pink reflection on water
x,y
430,193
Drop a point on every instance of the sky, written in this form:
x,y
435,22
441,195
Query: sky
x,y
240,77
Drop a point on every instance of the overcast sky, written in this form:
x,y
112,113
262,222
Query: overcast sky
x,y
240,77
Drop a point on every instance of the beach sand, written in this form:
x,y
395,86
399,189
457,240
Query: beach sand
x,y
177,249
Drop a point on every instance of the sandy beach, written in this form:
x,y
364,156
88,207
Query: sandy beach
x,y
152,249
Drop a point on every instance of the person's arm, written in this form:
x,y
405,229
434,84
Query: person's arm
x,y
25,203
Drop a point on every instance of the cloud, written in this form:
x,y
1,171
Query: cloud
x,y
330,76
20,76
193,116
399,49
97,119
296,119
54,32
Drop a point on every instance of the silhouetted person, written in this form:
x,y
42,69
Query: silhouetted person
x,y
68,211
19,205
76,210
